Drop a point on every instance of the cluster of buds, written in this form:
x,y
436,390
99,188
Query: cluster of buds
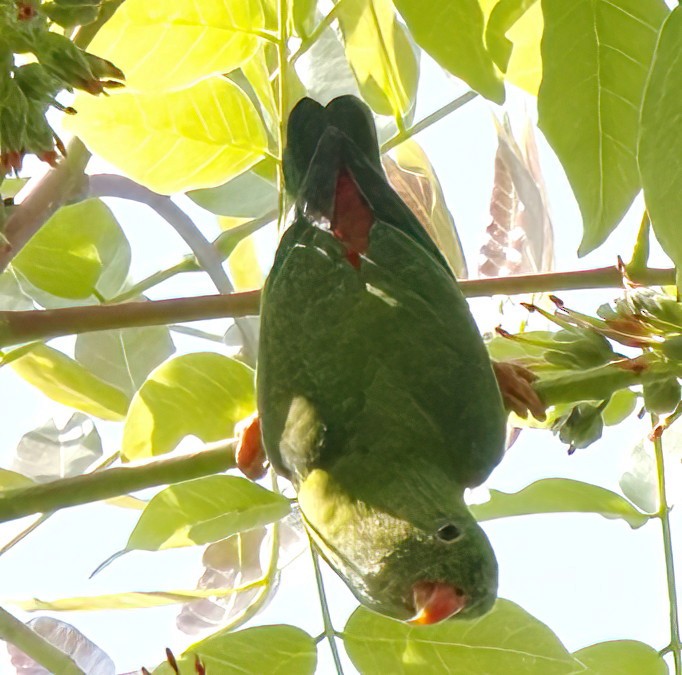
x,y
643,318
27,91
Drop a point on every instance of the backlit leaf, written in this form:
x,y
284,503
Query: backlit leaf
x,y
234,561
124,358
660,143
11,479
254,651
198,137
621,657
202,394
380,53
252,194
451,31
596,56
58,449
324,71
64,380
85,653
559,495
205,510
163,45
519,239
414,179
506,640
131,600
79,251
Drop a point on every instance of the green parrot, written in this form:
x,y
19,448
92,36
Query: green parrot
x,y
376,395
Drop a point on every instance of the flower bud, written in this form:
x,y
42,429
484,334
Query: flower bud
x,y
68,13
581,427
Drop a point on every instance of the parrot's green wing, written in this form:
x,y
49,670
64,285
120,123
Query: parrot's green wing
x,y
375,391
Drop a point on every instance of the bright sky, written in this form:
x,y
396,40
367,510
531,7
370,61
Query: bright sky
x,y
588,578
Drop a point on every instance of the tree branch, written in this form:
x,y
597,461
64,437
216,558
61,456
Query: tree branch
x,y
36,647
45,195
23,326
93,487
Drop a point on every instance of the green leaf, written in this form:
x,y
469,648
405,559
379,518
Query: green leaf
x,y
282,649
660,142
303,15
10,187
124,358
252,194
202,394
79,251
559,495
131,600
379,51
621,405
503,16
596,55
11,479
197,137
205,510
258,74
621,657
506,640
12,296
64,380
414,179
58,449
451,31
163,45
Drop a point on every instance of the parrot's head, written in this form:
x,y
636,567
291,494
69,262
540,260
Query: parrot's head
x,y
434,574
421,567
347,118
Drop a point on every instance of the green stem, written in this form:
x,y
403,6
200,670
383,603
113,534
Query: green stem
x,y
46,516
329,631
224,244
93,487
319,29
598,384
36,647
282,104
188,264
434,117
675,645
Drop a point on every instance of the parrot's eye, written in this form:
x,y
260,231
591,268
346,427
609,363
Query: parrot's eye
x,y
449,533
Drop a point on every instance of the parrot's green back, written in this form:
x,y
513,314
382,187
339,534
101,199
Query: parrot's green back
x,y
375,391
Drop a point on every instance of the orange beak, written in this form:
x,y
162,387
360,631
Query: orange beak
x,y
436,601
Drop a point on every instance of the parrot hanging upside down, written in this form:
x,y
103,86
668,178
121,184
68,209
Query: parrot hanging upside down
x,y
376,395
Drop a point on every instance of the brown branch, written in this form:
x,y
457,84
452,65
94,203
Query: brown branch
x,y
56,188
23,326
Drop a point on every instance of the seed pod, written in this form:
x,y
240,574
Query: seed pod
x,y
663,396
579,348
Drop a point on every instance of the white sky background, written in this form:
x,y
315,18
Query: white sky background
x,y
588,578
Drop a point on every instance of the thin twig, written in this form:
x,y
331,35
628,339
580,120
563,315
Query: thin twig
x,y
329,631
315,35
111,185
675,646
434,117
